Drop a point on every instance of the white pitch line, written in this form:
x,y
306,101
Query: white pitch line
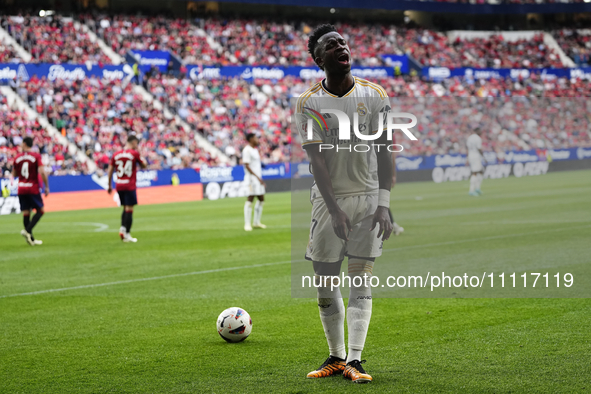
x,y
99,226
282,262
121,282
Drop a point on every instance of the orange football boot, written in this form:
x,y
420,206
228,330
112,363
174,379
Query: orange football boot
x,y
355,372
332,366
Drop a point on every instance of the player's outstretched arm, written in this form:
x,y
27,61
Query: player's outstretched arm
x,y
381,216
340,222
110,179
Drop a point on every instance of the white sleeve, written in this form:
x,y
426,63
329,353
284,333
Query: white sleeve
x,y
380,110
246,159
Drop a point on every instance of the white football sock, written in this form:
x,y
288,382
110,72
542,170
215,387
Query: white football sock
x,y
359,308
247,212
332,315
472,183
258,212
479,179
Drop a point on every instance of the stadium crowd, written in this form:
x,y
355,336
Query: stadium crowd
x,y
54,39
97,115
576,44
219,41
15,125
8,54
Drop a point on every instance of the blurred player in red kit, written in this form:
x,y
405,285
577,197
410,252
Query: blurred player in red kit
x,y
27,168
125,163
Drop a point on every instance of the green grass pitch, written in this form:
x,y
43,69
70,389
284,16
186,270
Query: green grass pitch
x,y
111,331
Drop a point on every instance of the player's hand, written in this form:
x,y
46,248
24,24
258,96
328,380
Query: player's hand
x,y
393,181
381,216
341,224
46,191
110,189
262,182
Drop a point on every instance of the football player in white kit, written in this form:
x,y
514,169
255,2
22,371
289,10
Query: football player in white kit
x,y
475,157
350,197
253,178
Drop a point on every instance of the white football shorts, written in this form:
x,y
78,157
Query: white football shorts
x,y
324,245
475,162
255,188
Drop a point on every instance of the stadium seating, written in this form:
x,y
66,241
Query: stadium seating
x,y
254,42
15,125
98,114
576,44
141,33
54,39
226,110
8,54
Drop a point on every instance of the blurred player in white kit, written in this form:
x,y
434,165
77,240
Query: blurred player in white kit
x,y
475,157
253,177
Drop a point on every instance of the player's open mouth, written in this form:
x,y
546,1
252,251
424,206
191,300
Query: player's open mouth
x,y
343,58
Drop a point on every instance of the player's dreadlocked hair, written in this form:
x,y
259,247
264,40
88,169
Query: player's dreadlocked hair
x,y
316,34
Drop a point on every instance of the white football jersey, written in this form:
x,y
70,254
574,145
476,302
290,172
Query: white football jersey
x,y
251,157
351,172
474,144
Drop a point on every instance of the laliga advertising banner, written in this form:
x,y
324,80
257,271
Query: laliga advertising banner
x,y
440,73
397,61
52,72
452,167
521,163
228,182
270,72
9,202
149,59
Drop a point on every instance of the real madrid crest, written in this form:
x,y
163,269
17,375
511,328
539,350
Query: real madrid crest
x,y
361,110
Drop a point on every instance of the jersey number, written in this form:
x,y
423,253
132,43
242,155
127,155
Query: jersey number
x,y
123,168
25,170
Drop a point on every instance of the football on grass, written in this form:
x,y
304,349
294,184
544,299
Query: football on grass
x,y
234,324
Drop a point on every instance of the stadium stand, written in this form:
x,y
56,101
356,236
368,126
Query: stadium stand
x,y
8,54
54,39
98,114
124,33
16,125
254,42
226,110
576,44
